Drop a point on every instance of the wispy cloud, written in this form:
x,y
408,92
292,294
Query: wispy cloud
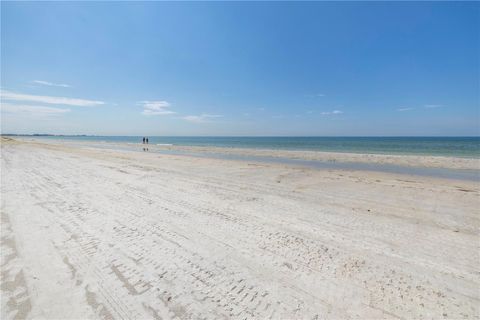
x,y
13,96
432,106
326,113
316,95
156,108
203,118
51,84
32,109
404,109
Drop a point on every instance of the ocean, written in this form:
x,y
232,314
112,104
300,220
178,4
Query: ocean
x,y
468,147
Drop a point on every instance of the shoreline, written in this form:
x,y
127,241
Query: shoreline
x,y
354,146
419,161
346,157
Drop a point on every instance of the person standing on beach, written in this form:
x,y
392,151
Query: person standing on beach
x,y
146,140
143,140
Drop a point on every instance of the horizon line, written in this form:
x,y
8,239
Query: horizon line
x,y
245,136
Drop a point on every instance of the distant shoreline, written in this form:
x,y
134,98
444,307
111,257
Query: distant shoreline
x,y
321,159
457,147
209,136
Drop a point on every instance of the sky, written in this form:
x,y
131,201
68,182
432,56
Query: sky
x,y
241,68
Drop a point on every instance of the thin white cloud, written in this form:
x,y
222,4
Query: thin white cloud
x,y
32,109
148,112
156,108
326,113
203,118
404,109
432,106
155,105
315,95
51,84
12,96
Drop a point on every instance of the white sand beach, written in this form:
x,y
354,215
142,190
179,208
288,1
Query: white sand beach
x,y
103,234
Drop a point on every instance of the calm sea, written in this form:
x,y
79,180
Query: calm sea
x,y
440,146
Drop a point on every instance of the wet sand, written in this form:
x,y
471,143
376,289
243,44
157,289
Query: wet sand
x,y
103,234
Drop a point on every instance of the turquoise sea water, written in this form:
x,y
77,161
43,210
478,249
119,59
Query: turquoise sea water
x,y
438,146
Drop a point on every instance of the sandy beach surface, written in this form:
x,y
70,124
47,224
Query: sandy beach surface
x,y
104,234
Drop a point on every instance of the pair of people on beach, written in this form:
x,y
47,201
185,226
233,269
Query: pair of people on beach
x,y
145,141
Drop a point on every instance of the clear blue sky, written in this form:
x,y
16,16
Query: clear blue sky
x,y
243,68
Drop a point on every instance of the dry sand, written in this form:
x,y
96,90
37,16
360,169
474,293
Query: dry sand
x,y
127,235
